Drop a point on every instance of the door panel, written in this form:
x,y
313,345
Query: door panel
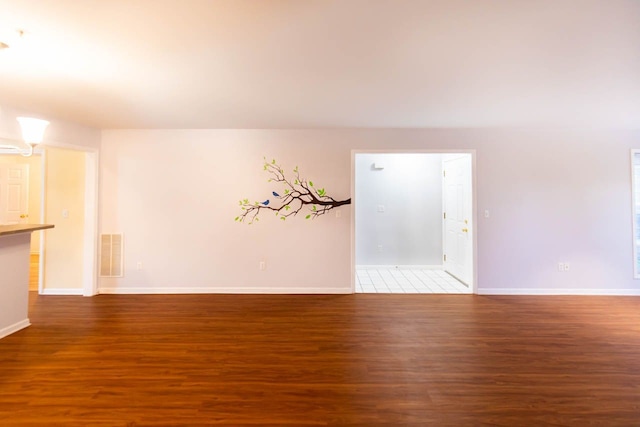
x,y
458,244
14,193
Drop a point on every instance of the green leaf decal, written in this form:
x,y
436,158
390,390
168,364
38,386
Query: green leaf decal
x,y
237,218
308,216
311,183
282,218
314,208
286,191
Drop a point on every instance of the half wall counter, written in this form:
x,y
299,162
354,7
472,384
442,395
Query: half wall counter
x,y
15,247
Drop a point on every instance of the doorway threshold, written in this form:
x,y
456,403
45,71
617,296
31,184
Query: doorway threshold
x,y
408,281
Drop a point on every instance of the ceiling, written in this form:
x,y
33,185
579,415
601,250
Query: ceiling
x,y
324,63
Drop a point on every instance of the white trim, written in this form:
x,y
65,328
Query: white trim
x,y
400,267
90,238
18,147
559,291
43,236
634,185
90,226
225,290
14,328
62,291
353,221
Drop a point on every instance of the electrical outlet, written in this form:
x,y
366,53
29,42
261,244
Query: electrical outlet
x,y
139,265
561,266
263,265
380,208
379,248
566,266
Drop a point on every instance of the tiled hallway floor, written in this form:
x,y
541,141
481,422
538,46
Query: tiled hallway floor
x,y
407,281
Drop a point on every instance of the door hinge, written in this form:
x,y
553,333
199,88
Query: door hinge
x,y
444,214
444,256
444,173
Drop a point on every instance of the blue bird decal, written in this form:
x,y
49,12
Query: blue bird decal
x,y
266,202
275,194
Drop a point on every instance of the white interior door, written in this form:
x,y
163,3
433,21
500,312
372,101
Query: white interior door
x,y
458,213
14,193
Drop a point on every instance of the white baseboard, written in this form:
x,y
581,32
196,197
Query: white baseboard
x,y
400,267
14,328
62,291
223,290
534,291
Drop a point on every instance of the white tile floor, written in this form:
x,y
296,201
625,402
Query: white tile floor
x,y
407,281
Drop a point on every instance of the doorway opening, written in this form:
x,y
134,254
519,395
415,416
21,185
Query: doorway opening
x,y
413,222
21,200
56,185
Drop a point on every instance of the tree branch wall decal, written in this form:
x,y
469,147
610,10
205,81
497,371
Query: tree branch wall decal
x,y
294,195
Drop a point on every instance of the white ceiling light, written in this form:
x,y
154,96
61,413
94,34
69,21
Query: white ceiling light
x,y
32,132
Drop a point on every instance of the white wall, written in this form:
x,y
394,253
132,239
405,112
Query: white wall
x,y
174,195
553,195
410,228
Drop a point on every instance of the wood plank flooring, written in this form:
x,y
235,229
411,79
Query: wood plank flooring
x,y
34,271
349,360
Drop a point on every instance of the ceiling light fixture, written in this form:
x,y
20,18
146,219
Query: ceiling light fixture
x,y
32,132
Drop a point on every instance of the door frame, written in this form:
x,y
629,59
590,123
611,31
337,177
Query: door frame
x,y
90,235
474,198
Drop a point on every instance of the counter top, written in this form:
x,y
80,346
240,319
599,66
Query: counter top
x,y
5,230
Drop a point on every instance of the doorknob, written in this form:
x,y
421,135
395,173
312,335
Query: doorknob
x,y
465,230
24,216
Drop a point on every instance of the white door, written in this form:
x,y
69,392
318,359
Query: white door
x,y
458,212
14,193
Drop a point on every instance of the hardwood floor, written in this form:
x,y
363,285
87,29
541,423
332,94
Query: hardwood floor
x,y
34,270
287,360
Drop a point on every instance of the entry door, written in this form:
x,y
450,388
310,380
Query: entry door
x,y
14,193
458,228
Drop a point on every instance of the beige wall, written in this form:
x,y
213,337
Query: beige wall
x,y
65,177
35,191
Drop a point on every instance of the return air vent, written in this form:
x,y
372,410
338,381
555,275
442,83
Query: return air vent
x,y
111,255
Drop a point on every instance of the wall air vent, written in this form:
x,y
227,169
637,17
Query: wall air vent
x,y
111,259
